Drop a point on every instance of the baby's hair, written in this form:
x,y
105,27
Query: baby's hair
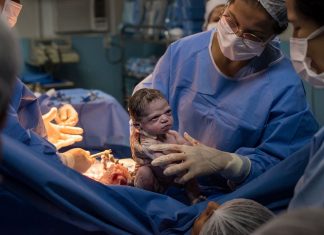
x,y
138,102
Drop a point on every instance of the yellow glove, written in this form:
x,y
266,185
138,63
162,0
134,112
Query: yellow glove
x,y
60,136
67,116
77,159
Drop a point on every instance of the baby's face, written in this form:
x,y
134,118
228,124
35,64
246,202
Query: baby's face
x,y
158,119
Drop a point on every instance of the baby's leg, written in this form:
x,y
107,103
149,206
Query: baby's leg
x,y
193,192
145,179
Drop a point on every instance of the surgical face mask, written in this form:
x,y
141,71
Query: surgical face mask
x,y
302,64
211,25
11,12
236,48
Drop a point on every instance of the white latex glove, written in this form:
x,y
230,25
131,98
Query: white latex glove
x,y
60,136
67,116
198,160
77,159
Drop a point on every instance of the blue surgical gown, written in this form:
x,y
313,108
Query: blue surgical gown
x,y
64,194
260,113
24,121
274,188
309,191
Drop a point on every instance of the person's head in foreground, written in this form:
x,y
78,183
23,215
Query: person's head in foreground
x,y
307,42
308,221
9,69
9,53
150,112
235,217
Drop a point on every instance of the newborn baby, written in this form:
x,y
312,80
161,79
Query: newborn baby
x,y
152,122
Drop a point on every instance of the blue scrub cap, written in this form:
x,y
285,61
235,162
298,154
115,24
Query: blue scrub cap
x,y
277,9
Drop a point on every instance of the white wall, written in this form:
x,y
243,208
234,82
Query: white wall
x,y
28,24
37,18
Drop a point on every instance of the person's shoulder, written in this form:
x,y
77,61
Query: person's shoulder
x,y
279,64
20,87
284,72
284,81
192,43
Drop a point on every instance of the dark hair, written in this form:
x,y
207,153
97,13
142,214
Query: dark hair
x,y
311,9
276,27
138,102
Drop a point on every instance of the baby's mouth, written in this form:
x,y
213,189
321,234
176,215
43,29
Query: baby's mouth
x,y
166,127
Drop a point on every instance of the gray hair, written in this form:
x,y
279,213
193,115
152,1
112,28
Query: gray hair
x,y
237,217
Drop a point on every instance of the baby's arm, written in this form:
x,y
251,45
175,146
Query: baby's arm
x,y
142,152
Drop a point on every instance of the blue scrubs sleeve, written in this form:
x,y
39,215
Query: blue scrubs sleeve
x,y
287,131
34,141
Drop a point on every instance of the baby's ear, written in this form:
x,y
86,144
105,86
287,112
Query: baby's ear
x,y
136,125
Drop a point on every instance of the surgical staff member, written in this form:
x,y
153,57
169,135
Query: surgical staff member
x,y
234,91
306,52
213,12
25,122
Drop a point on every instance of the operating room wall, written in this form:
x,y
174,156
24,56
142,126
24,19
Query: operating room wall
x,y
93,71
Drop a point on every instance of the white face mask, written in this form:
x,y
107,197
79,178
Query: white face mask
x,y
302,64
211,25
233,47
10,12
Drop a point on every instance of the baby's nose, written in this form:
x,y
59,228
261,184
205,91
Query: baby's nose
x,y
164,118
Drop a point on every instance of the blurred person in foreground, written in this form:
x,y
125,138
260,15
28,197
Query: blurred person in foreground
x,y
26,123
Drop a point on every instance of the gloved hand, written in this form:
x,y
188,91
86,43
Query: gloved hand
x,y
67,116
198,160
77,159
60,136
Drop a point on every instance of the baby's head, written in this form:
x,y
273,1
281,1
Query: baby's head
x,y
235,217
150,112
